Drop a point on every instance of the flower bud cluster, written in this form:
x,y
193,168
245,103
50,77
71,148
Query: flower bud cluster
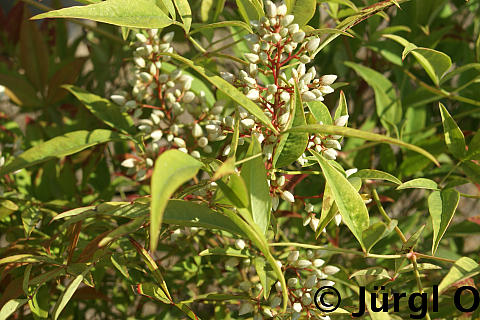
x,y
165,106
304,272
279,53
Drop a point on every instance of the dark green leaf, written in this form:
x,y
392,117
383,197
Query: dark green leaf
x,y
453,135
442,206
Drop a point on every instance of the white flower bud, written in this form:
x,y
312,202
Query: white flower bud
x,y
271,9
240,244
184,150
207,149
287,20
247,123
276,38
293,256
306,220
278,287
298,36
281,181
314,222
140,62
317,263
179,142
188,97
293,29
197,131
285,96
313,44
292,282
287,196
304,263
330,270
141,37
195,154
306,299
202,142
253,69
128,163
282,9
283,119
327,79
145,76
326,89
253,94
338,219
156,135
226,151
268,312
330,154
118,99
349,172
297,307
304,59
332,144
341,121
152,69
252,57
245,308
308,96
263,57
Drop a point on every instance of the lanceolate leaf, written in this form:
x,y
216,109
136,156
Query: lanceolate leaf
x,y
329,209
125,13
61,146
442,206
354,133
185,13
463,268
222,24
376,175
292,145
255,177
302,10
68,293
349,202
172,169
250,9
228,89
103,109
453,135
420,183
10,307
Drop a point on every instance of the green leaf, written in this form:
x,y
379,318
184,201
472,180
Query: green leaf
x,y
349,202
26,279
377,273
185,13
172,169
190,214
329,209
420,183
327,31
474,147
124,13
464,268
122,230
320,112
236,191
68,293
377,232
303,10
26,258
221,24
250,10
388,106
472,170
152,290
228,89
60,146
255,176
168,7
412,241
10,307
67,74
266,275
376,175
354,133
224,252
225,169
453,135
434,62
103,109
442,206
342,108
292,145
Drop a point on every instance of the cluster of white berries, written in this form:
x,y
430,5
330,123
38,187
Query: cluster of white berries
x,y
304,274
165,107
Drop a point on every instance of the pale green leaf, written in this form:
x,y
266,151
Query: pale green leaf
x,y
221,24
302,10
376,175
185,12
67,294
350,204
172,169
419,183
58,147
125,13
442,206
10,307
453,135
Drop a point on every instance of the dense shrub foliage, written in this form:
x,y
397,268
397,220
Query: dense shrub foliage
x,y
218,159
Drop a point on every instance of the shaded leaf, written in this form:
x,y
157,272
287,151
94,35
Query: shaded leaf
x,y
453,135
442,206
376,175
463,269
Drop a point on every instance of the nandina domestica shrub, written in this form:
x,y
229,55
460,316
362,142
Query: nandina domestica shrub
x,y
240,159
